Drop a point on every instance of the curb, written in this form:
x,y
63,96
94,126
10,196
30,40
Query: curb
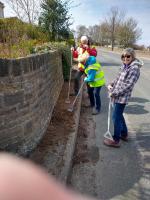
x,y
70,146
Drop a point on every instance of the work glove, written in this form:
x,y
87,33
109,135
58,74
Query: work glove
x,y
109,87
75,59
72,49
109,94
86,79
85,46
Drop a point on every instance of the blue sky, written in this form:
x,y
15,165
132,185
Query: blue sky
x,y
91,12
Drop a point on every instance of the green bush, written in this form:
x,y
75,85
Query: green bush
x,y
23,49
71,42
66,62
17,38
66,58
35,33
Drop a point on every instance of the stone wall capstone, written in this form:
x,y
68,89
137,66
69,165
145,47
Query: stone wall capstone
x,y
29,88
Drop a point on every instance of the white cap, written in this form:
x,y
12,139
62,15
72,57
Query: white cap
x,y
84,38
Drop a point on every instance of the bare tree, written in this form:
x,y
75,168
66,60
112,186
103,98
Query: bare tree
x,y
104,35
128,33
81,30
26,10
113,21
94,33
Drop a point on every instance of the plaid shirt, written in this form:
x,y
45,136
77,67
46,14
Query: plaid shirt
x,y
125,81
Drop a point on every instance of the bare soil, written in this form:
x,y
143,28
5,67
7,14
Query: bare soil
x,y
50,151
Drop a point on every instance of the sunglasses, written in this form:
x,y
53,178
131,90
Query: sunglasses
x,y
125,56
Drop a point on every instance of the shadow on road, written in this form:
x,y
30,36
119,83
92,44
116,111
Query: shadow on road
x,y
109,64
135,109
138,100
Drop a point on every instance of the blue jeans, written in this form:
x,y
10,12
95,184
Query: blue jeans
x,y
94,95
120,128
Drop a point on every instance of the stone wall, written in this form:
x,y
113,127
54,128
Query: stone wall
x,y
29,88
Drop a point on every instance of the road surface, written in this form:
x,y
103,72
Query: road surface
x,y
124,173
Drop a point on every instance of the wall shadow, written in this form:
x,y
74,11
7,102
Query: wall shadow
x,y
138,100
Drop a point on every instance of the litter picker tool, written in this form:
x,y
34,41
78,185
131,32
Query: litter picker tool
x,y
68,99
108,134
72,106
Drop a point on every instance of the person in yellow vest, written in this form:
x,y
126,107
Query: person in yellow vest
x,y
83,50
95,80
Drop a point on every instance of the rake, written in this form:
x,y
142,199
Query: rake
x,y
108,134
68,95
72,106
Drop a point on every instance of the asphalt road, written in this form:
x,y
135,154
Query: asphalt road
x,y
124,173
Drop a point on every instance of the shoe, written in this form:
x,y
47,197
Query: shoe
x,y
111,143
124,138
95,111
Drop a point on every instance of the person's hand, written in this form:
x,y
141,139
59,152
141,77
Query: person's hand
x,y
85,46
75,59
72,49
109,94
109,87
85,79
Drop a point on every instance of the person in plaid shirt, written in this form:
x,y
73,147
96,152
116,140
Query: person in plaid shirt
x,y
120,91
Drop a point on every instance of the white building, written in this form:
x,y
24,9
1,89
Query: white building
x,y
1,10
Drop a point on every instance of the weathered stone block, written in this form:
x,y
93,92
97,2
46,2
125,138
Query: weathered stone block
x,y
1,100
14,98
28,128
16,67
4,67
25,66
11,134
34,62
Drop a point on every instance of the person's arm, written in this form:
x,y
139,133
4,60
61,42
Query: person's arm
x,y
91,76
75,54
92,51
115,80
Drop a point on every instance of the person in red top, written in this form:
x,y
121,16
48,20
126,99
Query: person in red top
x,y
83,49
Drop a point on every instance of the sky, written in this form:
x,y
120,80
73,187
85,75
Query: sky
x,y
91,12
